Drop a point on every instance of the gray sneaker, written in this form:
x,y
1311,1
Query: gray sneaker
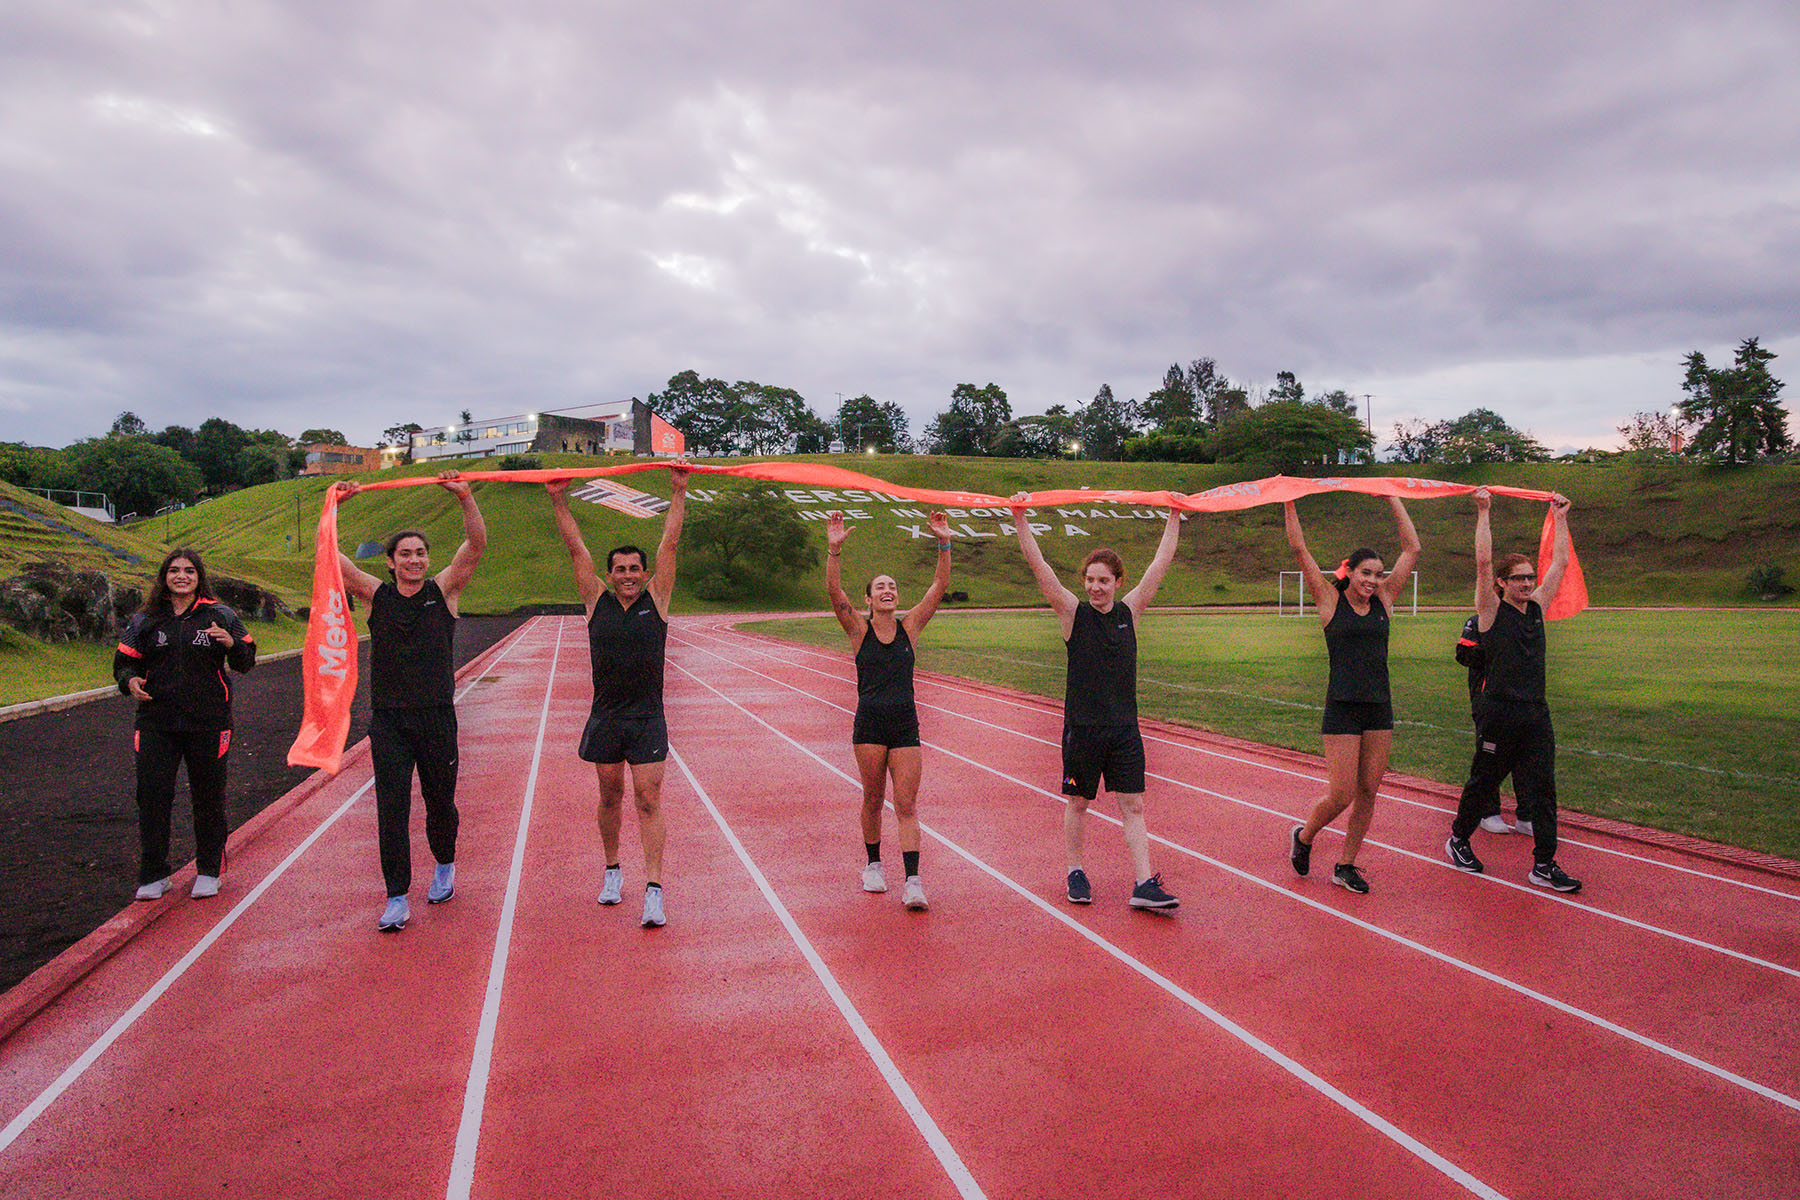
x,y
443,884
612,887
156,889
653,908
395,916
205,887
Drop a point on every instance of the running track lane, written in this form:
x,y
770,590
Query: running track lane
x,y
1057,1051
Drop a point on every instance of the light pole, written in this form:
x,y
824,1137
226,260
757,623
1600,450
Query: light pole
x,y
1369,424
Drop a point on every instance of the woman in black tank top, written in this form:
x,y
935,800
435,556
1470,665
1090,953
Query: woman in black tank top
x,y
886,735
1358,729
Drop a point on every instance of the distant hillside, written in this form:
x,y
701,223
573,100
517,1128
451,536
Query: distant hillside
x,y
1646,534
32,527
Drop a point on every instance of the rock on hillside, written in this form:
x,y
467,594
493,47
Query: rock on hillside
x,y
55,603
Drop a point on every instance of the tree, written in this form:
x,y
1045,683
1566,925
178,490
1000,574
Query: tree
x,y
178,438
744,539
464,433
127,424
1287,389
331,437
972,422
1046,436
1104,425
1287,434
1174,405
1652,434
1226,403
217,447
140,475
705,410
1736,408
401,436
1480,436
1340,400
1215,397
862,423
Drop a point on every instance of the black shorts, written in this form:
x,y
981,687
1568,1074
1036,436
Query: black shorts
x,y
633,740
1357,716
886,727
1090,752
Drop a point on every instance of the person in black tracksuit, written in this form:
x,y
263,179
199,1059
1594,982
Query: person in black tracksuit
x,y
172,659
885,734
628,628
1101,739
1470,654
412,630
1512,719
1358,725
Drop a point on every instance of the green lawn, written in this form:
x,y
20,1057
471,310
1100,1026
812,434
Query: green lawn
x,y
33,670
1680,721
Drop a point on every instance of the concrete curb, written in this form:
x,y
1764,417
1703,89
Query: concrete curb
x,y
37,991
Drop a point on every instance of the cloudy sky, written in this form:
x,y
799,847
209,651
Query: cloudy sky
x,y
353,214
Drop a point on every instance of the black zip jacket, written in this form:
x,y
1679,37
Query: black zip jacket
x,y
182,668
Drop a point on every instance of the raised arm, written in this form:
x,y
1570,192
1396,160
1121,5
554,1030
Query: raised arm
x,y
1487,600
1139,598
662,583
921,613
854,623
1559,551
455,577
1324,592
357,582
586,582
1061,599
1402,568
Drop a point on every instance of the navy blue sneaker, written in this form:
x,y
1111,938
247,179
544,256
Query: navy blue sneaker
x,y
1345,875
1079,891
1149,894
1299,853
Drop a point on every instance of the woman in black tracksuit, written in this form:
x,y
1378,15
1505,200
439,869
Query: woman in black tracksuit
x,y
885,738
172,659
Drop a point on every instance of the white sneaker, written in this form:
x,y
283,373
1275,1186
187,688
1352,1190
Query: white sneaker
x,y
205,887
395,916
155,890
1496,824
1524,827
873,879
613,886
914,895
653,908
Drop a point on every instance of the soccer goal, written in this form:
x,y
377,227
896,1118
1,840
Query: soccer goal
x,y
1282,608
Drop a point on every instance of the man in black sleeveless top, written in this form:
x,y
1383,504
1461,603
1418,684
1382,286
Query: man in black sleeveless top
x,y
628,627
1100,730
1513,735
412,629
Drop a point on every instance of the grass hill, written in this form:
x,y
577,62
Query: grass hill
x,y
32,527
1655,535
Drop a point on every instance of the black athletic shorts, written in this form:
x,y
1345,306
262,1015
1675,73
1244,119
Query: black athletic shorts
x,y
890,728
633,740
1357,716
1090,752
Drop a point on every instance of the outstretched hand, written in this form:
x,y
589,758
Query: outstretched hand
x,y
451,481
1560,504
556,487
218,634
136,686
836,532
940,525
343,489
1019,502
1484,500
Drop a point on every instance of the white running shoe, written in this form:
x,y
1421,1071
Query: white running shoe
x,y
653,908
1524,827
613,886
913,897
154,890
1497,824
205,887
395,916
873,879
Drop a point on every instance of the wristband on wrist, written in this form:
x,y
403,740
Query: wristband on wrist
x,y
943,546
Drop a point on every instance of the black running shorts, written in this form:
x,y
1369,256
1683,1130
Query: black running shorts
x,y
878,727
631,740
1093,752
1357,716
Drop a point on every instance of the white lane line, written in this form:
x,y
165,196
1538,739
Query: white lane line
x,y
1536,893
468,1132
940,1145
76,1069
1355,1108
1263,766
1594,1019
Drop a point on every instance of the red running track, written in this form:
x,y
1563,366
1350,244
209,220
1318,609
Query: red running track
x,y
789,1035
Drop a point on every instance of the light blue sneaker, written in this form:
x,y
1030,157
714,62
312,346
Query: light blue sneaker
x,y
395,916
443,884
613,886
653,908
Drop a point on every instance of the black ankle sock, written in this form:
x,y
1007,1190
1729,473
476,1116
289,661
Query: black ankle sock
x,y
874,849
911,859
653,884
612,866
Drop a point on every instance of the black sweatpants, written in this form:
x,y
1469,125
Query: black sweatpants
x,y
1516,739
400,740
160,754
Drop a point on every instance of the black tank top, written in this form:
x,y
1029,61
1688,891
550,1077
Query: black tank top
x,y
411,639
1515,654
1359,653
1102,685
884,675
627,646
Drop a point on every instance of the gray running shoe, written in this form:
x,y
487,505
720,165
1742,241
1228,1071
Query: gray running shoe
x,y
443,884
612,888
913,896
873,878
653,908
205,887
154,890
1497,824
395,916
1524,826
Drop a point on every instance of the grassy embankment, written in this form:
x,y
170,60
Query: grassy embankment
x,y
1679,721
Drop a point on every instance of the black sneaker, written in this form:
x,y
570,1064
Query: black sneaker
x,y
1299,853
1549,875
1462,855
1149,894
1346,875
1079,891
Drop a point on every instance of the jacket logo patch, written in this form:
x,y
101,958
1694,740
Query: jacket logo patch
x,y
200,639
162,639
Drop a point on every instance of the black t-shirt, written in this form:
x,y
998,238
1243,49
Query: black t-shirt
x,y
1514,645
411,642
627,647
1358,644
884,675
1102,683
